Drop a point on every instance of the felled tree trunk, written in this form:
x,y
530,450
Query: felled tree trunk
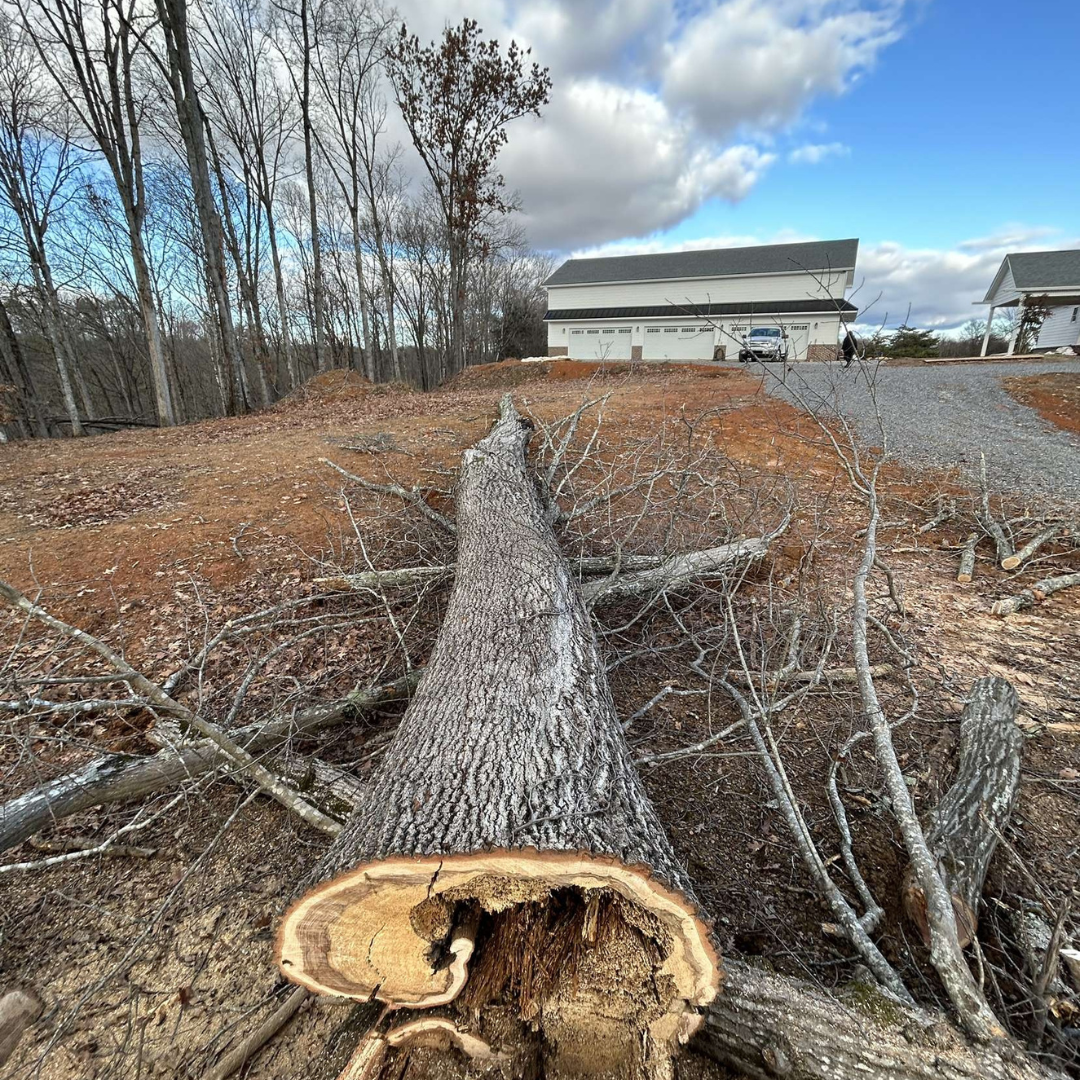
x,y
763,1025
962,831
505,854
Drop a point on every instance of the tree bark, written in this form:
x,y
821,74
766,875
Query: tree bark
x,y
765,1026
18,1010
962,831
508,790
1031,596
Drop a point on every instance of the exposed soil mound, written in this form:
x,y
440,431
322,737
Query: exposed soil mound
x,y
341,384
511,373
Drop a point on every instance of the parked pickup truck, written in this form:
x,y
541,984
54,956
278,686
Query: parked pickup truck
x,y
764,343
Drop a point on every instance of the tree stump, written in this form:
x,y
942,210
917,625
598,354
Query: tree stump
x,y
505,854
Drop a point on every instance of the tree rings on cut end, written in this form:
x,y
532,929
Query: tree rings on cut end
x,y
404,931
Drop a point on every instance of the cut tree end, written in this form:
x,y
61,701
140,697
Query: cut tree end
x,y
595,953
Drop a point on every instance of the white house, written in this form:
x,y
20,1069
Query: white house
x,y
1052,278
687,305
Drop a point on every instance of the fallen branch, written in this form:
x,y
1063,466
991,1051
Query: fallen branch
x,y
411,496
1035,593
967,559
962,830
119,777
235,1059
1031,547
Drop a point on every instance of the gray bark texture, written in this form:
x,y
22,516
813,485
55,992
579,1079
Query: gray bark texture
x,y
512,740
962,831
765,1026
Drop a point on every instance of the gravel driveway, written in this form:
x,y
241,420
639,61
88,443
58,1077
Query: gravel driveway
x,y
942,415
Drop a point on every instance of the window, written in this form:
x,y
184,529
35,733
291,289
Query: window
x,y
1075,310
608,332
799,326
577,331
694,329
592,331
671,329
626,331
652,330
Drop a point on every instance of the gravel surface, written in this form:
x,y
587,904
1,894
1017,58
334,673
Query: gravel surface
x,y
943,415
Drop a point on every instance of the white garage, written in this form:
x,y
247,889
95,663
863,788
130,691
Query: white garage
x,y
601,343
678,342
679,305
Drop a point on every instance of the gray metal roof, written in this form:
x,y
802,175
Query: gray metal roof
x,y
1046,269
762,308
718,262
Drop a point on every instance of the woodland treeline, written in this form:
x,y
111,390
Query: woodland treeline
x,y
203,205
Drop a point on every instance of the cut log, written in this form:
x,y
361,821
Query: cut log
x,y
509,797
1039,591
962,831
119,777
766,1026
1031,547
967,559
18,1010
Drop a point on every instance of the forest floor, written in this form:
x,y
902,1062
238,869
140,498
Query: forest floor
x,y
152,539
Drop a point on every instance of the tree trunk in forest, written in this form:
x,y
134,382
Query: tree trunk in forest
x,y
28,402
507,816
962,831
765,1026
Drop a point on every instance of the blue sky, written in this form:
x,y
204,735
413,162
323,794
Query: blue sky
x,y
941,133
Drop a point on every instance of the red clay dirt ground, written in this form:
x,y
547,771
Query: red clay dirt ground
x,y
143,535
1054,395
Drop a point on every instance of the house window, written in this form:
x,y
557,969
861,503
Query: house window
x,y
671,329
626,331
652,330
1075,310
592,331
799,326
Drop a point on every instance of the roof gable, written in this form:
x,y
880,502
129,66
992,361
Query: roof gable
x,y
718,262
1045,269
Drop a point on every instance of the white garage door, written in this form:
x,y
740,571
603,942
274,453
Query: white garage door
x,y
799,340
678,343
603,343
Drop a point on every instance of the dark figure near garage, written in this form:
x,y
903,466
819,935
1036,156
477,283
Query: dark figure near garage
x,y
850,348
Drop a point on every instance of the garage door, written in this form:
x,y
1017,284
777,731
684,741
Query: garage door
x,y
603,343
678,343
799,340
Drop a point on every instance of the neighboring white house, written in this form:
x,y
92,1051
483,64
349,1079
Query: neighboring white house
x,y
687,305
1030,275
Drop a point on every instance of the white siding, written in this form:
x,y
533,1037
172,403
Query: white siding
x,y
727,331
760,287
1062,327
1006,291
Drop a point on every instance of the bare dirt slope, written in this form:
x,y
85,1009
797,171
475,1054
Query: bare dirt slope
x,y
150,965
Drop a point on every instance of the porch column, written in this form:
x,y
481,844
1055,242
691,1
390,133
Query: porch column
x,y
1016,327
989,325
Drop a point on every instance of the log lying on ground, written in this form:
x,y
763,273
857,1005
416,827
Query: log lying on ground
x,y
765,1026
626,576
507,816
119,777
962,831
1039,591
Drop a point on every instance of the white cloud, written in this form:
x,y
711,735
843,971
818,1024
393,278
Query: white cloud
x,y
659,106
608,161
758,63
813,153
942,287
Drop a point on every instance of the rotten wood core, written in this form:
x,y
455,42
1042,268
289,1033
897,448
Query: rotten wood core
x,y
507,811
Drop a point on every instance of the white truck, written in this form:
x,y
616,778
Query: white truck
x,y
764,343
